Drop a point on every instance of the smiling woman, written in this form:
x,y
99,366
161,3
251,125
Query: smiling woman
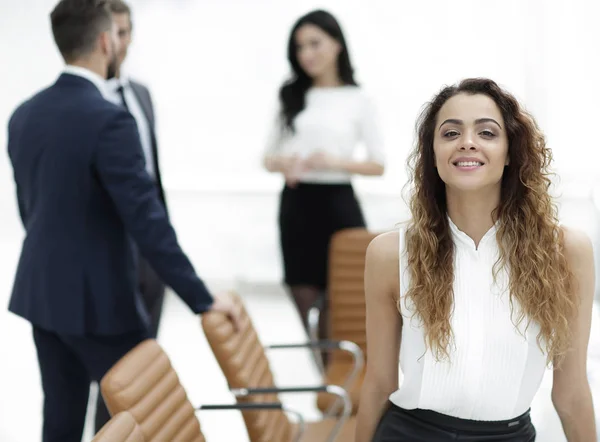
x,y
488,287
471,143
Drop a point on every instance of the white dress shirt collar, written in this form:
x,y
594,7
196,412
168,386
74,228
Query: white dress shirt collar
x,y
114,83
93,77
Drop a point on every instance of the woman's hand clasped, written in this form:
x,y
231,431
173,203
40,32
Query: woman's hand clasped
x,y
295,166
293,169
322,161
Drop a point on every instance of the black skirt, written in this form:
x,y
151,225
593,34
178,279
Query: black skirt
x,y
399,425
309,215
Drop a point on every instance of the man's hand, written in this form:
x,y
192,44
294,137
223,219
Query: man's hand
x,y
224,303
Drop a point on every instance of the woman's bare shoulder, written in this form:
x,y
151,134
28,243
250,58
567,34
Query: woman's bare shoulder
x,y
382,260
384,247
578,246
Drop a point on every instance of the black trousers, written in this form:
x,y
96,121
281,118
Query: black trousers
x,y
399,425
152,290
68,364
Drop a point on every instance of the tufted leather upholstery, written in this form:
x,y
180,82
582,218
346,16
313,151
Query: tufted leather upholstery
x,y
144,383
347,312
121,428
244,363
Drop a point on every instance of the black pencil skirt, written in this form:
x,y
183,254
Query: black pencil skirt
x,y
399,425
309,215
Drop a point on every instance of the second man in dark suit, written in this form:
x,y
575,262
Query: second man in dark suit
x,y
136,98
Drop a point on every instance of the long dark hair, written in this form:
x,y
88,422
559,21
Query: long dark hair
x,y
293,92
529,237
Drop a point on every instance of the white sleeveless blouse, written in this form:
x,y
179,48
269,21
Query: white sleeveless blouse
x,y
494,371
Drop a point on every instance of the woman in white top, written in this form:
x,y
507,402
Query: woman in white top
x,y
482,289
323,117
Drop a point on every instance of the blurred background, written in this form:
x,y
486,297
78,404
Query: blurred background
x,y
214,68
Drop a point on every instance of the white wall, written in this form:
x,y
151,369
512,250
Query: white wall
x,y
561,83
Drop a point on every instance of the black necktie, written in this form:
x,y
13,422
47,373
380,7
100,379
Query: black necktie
x,y
121,92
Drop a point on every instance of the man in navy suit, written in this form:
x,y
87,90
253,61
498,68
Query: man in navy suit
x,y
84,195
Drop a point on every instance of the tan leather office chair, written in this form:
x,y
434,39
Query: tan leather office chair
x,y
121,428
347,311
144,383
244,362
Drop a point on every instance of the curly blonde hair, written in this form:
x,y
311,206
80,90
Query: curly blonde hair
x,y
530,240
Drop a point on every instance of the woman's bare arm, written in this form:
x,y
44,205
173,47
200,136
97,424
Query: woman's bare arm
x,y
366,168
325,161
571,394
277,163
384,326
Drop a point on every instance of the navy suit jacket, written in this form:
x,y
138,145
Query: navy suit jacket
x,y
83,194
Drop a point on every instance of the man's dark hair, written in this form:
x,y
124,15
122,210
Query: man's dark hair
x,y
76,25
120,7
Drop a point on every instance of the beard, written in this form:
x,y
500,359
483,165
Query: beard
x,y
113,65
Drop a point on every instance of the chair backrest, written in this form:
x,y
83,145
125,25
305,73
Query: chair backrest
x,y
121,428
244,363
144,383
346,290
